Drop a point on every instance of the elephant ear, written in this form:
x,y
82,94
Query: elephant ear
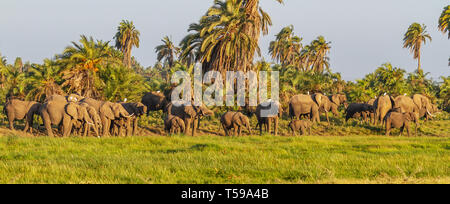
x,y
72,110
106,110
318,99
336,99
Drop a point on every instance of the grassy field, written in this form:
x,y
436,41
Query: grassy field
x,y
339,153
213,159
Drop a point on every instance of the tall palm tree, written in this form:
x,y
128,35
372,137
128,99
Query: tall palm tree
x,y
414,38
260,23
444,21
82,61
14,81
286,47
43,80
167,51
3,63
226,38
315,56
127,37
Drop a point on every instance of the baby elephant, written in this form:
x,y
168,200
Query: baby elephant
x,y
300,125
236,121
173,124
400,120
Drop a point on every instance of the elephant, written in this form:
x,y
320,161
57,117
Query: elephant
x,y
63,114
400,120
329,104
324,104
19,110
304,126
108,112
173,124
155,101
357,110
236,121
267,113
424,105
382,106
130,124
190,114
303,105
97,122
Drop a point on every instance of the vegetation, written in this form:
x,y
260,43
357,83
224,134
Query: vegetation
x,y
267,159
226,38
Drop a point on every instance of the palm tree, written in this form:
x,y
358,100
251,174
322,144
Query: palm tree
x,y
82,61
286,47
44,80
14,81
167,51
444,21
259,21
414,38
127,37
315,56
3,64
226,38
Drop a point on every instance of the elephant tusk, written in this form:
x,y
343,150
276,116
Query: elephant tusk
x,y
130,116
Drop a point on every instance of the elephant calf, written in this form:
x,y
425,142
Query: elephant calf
x,y
19,110
173,124
236,121
400,120
300,125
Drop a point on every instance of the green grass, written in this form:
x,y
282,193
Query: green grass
x,y
340,153
213,159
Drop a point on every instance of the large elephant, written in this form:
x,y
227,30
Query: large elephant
x,y
269,113
424,105
236,121
382,106
19,110
303,105
154,101
405,104
61,113
108,112
400,120
189,113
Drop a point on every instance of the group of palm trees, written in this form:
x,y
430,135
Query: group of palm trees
x,y
88,67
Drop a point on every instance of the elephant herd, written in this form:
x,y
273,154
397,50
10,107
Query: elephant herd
x,y
76,115
393,112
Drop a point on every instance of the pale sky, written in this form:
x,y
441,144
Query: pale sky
x,y
364,33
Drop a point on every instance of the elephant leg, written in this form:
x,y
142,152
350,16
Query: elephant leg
x,y
135,126
67,127
260,128
194,127
401,130
187,124
106,127
328,118
388,129
225,130
11,121
235,129
276,126
47,124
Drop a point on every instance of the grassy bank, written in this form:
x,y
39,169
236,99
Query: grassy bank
x,y
212,159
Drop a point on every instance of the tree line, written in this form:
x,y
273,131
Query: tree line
x,y
224,39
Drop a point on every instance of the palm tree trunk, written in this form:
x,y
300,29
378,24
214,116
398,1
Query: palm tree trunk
x,y
419,61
